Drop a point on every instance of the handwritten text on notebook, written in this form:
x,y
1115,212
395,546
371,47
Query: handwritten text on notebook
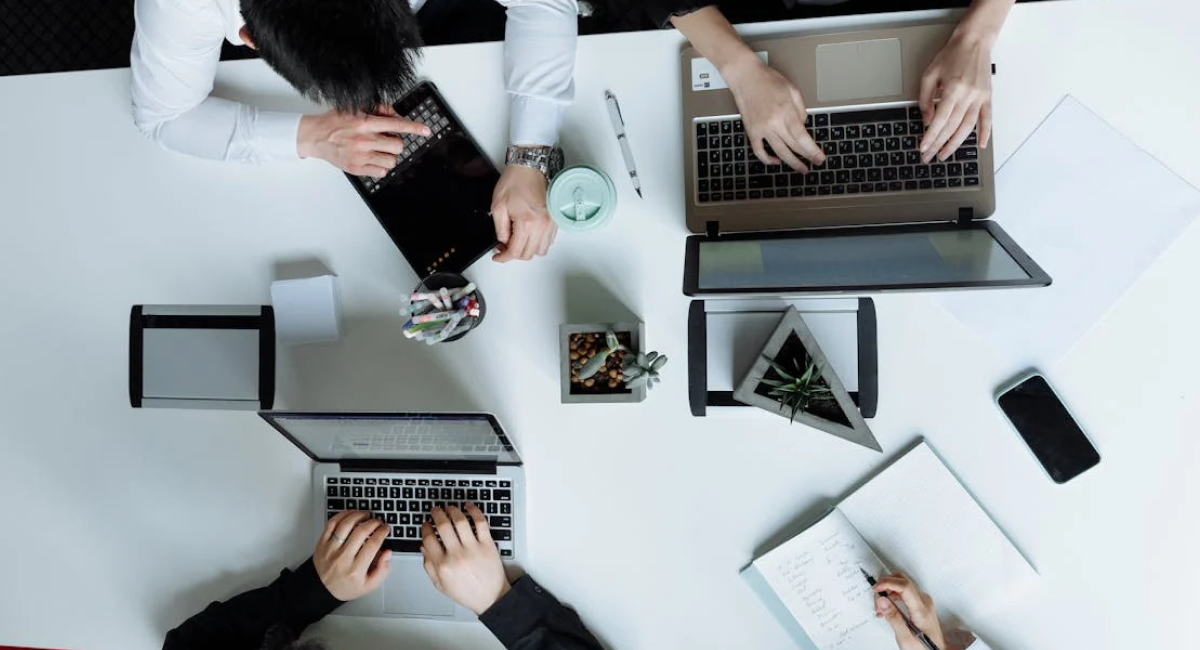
x,y
817,576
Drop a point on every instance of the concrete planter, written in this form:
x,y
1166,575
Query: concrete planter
x,y
637,334
792,323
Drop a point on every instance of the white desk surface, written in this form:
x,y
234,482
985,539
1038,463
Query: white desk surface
x,y
119,523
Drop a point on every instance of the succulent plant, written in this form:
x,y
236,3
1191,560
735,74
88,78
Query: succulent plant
x,y
642,369
596,363
796,389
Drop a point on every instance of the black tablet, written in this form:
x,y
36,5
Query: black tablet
x,y
974,255
435,204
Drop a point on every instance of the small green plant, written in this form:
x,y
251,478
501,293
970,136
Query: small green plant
x,y
642,370
596,363
796,389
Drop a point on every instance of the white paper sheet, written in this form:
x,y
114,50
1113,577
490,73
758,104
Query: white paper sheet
x,y
1090,208
922,521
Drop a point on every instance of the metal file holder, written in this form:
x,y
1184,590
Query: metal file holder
x,y
844,327
202,356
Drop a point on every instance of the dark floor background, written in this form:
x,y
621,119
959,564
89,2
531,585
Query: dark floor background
x,y
60,35
39,36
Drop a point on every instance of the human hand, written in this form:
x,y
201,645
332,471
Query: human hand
x,y
360,144
349,558
464,565
523,225
961,77
773,110
920,611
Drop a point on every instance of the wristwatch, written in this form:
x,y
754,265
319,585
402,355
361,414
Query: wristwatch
x,y
548,160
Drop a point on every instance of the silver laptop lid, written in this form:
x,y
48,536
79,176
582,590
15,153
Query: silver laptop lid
x,y
440,437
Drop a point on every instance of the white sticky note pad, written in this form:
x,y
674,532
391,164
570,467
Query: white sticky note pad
x,y
706,77
308,310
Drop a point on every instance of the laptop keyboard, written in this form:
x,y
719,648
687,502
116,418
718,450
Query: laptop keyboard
x,y
428,113
404,503
866,152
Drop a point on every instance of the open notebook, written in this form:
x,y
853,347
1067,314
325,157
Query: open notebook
x,y
915,517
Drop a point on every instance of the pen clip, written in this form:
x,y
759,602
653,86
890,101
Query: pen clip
x,y
609,96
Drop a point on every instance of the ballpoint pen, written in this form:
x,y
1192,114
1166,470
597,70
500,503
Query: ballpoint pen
x,y
618,122
921,636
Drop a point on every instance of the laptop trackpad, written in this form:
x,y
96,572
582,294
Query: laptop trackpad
x,y
408,590
859,70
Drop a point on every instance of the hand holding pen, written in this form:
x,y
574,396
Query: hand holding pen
x,y
920,628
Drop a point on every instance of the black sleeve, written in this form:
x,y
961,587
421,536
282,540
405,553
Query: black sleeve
x,y
294,601
529,618
660,11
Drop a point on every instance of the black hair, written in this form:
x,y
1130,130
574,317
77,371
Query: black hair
x,y
353,55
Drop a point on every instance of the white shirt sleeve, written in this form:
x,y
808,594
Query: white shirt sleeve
x,y
176,48
539,66
978,644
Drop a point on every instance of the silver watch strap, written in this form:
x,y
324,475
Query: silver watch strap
x,y
548,160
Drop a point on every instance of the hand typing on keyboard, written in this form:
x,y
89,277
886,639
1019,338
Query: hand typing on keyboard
x,y
960,77
461,558
771,106
349,557
774,113
363,145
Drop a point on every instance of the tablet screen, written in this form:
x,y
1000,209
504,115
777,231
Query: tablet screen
x,y
437,210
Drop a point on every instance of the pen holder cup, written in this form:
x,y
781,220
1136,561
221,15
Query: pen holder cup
x,y
581,198
450,282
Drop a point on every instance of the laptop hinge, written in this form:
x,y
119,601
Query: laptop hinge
x,y
424,466
712,229
965,216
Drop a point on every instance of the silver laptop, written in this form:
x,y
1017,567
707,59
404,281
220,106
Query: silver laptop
x,y
398,466
891,211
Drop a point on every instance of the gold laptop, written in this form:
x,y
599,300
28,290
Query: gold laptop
x,y
861,91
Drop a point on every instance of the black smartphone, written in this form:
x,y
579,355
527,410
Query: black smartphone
x,y
1048,427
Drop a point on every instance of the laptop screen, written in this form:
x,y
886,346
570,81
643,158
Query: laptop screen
x,y
415,436
860,259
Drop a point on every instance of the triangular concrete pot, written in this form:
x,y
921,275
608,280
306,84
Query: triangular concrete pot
x,y
858,432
